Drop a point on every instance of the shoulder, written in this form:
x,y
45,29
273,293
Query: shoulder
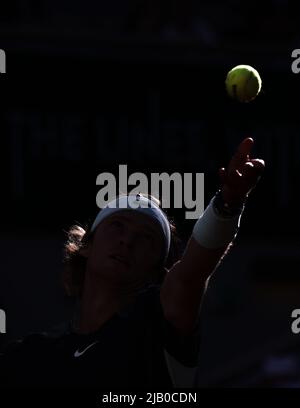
x,y
34,341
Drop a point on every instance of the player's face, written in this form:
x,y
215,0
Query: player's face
x,y
127,247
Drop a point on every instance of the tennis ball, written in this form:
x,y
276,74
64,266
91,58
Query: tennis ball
x,y
243,83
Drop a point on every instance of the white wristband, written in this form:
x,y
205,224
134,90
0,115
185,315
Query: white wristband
x,y
213,231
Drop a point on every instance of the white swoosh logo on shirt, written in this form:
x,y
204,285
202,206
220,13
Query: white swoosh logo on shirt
x,y
79,353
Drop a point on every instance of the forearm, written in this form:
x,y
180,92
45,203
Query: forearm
x,y
213,234
198,262
185,283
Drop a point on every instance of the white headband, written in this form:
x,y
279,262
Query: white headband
x,y
141,204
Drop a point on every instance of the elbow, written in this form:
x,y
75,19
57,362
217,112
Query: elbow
x,y
185,324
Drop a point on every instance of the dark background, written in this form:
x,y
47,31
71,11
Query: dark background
x,y
91,85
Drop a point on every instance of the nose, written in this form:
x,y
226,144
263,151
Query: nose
x,y
127,238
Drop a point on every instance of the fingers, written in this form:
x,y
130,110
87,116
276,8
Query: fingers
x,y
258,163
242,154
222,175
252,171
244,149
254,166
235,177
245,146
243,171
248,170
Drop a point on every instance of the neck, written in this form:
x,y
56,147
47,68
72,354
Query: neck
x,y
100,301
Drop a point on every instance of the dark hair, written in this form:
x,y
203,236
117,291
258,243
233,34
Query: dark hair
x,y
78,238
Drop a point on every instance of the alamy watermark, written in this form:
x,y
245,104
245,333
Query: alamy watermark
x,y
296,323
2,322
2,62
296,63
159,186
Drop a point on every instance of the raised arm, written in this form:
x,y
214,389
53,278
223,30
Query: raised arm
x,y
183,288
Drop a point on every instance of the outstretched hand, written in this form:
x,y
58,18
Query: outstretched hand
x,y
241,175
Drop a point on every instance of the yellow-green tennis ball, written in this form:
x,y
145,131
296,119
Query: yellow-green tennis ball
x,y
243,83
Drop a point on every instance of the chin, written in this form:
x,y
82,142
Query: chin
x,y
114,270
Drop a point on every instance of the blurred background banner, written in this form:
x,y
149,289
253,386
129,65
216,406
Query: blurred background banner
x,y
91,85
